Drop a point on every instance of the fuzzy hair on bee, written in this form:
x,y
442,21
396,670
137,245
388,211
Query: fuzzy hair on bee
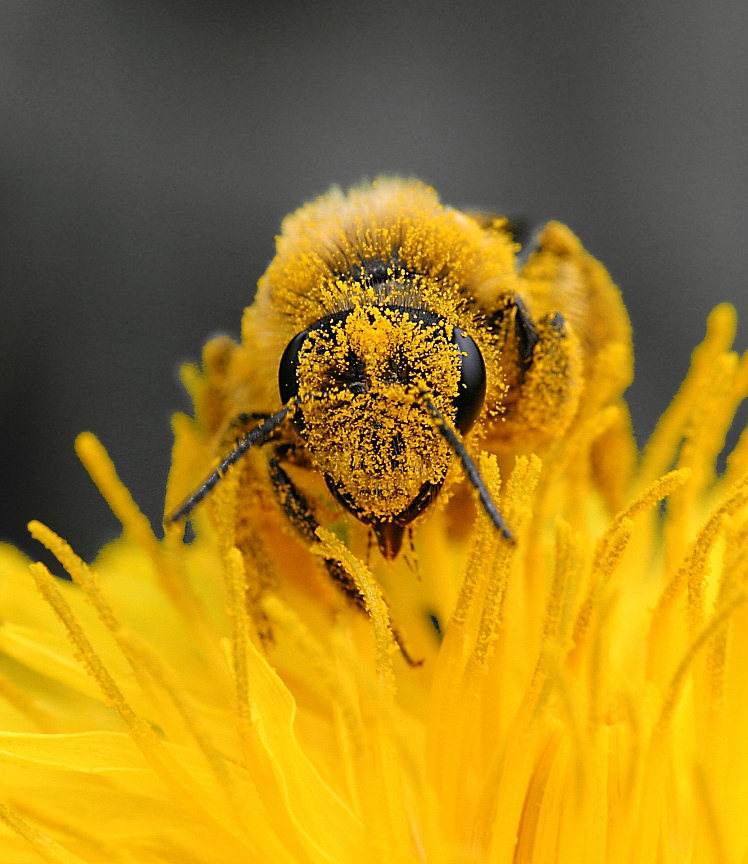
x,y
391,339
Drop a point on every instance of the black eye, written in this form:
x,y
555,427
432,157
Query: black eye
x,y
289,363
472,391
288,383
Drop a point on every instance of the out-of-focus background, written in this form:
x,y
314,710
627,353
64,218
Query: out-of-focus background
x,y
148,152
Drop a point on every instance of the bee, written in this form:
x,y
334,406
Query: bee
x,y
403,328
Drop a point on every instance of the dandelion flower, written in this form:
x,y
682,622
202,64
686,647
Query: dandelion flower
x,y
580,697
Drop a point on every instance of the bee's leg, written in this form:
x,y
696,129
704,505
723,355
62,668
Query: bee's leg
x,y
299,513
519,333
242,423
542,368
526,334
550,375
289,496
253,438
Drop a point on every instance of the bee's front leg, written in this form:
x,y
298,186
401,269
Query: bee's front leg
x,y
299,513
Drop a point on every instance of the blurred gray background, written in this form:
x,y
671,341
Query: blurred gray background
x,y
148,152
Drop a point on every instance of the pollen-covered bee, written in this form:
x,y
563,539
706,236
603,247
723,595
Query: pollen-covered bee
x,y
389,331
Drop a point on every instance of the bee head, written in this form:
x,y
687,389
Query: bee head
x,y
359,374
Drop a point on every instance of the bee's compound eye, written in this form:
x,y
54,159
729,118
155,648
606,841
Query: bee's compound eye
x,y
472,391
288,383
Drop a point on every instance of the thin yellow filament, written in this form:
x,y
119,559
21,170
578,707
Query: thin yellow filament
x,y
25,704
47,848
47,585
147,666
711,817
613,543
173,579
98,464
661,447
719,619
697,554
331,547
520,488
237,610
175,777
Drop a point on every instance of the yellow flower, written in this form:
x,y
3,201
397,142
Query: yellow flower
x,y
581,695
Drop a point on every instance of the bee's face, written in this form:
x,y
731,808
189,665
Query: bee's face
x,y
360,375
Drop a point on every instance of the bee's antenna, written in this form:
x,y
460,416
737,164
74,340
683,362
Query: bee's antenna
x,y
253,438
470,468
